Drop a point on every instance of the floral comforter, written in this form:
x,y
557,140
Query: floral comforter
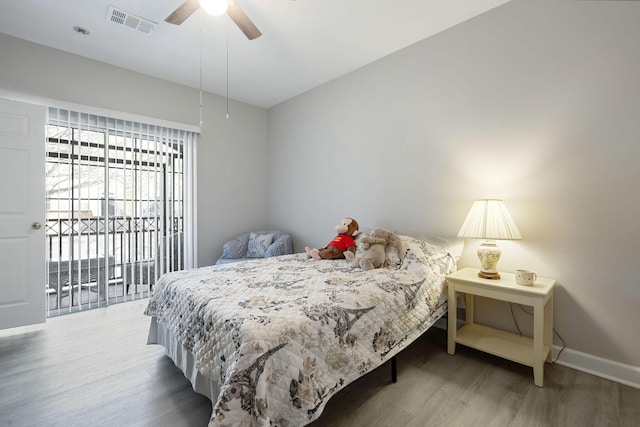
x,y
282,335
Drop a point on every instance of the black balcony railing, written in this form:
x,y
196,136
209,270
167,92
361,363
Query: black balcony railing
x,y
92,260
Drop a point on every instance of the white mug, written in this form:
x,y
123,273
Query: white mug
x,y
525,277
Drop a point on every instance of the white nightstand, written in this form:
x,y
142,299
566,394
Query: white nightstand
x,y
528,351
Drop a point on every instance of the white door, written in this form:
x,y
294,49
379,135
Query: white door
x,y
22,208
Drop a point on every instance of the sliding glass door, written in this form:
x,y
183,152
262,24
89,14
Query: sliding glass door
x,y
118,206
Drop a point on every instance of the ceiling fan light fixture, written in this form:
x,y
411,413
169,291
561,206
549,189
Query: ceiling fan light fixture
x,y
214,7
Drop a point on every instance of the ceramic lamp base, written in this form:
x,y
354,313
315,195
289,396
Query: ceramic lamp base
x,y
489,255
487,275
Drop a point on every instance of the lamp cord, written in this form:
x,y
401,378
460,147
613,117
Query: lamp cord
x,y
564,344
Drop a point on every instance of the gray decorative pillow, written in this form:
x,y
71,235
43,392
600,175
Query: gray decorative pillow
x,y
258,244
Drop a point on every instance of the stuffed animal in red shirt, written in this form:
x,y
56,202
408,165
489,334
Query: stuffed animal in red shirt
x,y
347,229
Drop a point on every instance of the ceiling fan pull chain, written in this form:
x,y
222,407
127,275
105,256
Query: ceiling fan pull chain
x,y
227,69
200,72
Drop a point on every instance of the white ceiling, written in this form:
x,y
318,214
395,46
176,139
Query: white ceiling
x,y
305,43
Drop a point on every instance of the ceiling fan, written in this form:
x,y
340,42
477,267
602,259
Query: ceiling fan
x,y
236,14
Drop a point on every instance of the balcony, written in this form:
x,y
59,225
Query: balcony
x,y
94,261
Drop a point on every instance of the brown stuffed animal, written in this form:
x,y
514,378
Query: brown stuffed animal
x,y
347,229
376,249
369,253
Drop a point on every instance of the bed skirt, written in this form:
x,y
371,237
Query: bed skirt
x,y
183,359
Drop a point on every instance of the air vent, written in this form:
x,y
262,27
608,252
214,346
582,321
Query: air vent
x,y
130,20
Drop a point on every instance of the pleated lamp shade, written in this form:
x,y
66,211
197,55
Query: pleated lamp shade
x,y
489,219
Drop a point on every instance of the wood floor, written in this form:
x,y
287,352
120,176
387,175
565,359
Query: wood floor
x,y
94,369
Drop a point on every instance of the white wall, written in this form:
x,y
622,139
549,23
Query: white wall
x,y
232,165
534,102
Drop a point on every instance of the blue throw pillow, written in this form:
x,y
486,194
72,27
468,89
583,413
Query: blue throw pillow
x,y
258,244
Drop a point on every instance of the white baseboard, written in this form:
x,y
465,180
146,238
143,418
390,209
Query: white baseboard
x,y
605,368
594,365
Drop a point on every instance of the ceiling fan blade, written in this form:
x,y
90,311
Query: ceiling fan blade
x,y
183,11
243,22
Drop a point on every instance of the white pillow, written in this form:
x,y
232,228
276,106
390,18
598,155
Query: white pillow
x,y
258,244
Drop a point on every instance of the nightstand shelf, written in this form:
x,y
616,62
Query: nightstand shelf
x,y
527,351
499,343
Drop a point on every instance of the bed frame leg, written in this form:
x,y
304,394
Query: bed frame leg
x,y
394,370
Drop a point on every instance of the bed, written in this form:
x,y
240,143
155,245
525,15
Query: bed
x,y
270,341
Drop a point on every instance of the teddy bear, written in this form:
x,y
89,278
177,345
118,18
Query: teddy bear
x,y
369,254
393,247
378,248
347,230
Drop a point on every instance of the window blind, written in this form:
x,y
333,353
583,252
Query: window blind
x,y
120,207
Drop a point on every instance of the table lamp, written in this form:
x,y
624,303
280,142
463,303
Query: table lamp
x,y
489,219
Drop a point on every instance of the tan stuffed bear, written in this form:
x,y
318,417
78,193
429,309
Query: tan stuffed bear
x,y
347,229
378,248
369,253
393,248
